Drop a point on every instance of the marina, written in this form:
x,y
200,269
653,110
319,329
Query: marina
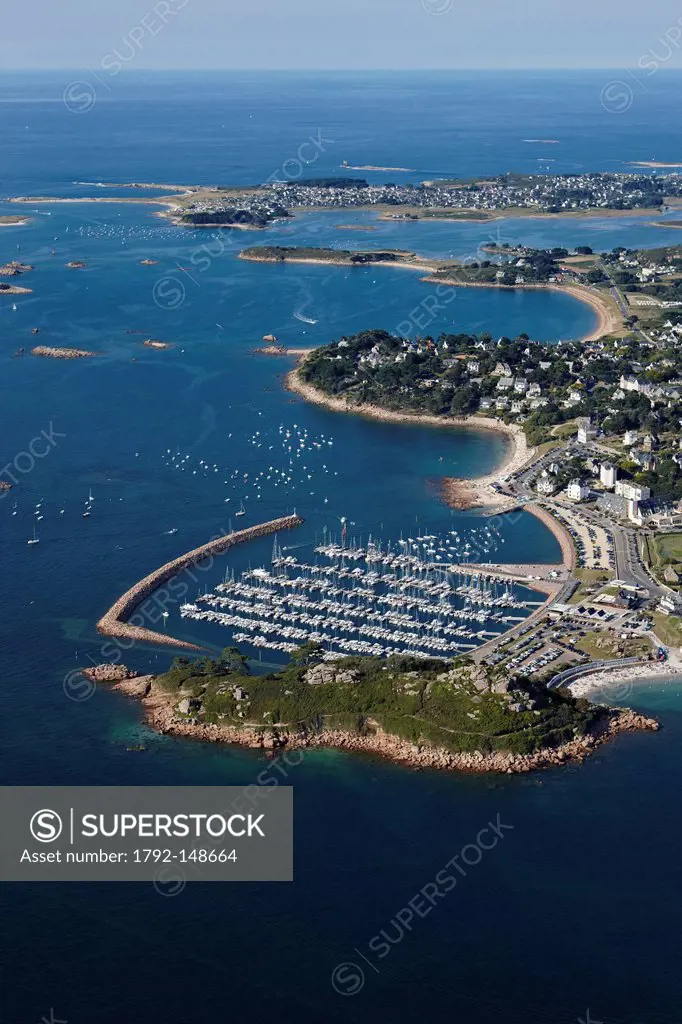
x,y
403,597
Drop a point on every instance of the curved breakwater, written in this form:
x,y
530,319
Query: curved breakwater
x,y
115,622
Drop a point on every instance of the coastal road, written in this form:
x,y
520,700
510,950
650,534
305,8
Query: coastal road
x,y
629,565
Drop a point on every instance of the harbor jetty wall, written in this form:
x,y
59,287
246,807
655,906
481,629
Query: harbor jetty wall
x,y
115,622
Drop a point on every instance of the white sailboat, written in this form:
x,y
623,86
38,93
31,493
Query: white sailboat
x,y
242,510
34,539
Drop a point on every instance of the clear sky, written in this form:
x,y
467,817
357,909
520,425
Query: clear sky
x,y
352,34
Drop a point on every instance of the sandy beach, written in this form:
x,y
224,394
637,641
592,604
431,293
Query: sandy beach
x,y
609,319
473,493
619,681
651,163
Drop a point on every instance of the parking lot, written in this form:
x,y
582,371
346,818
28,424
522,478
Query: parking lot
x,y
593,543
589,632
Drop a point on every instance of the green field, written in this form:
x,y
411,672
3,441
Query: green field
x,y
668,629
662,550
668,548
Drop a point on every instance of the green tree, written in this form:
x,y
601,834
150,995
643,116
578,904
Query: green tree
x,y
307,654
232,660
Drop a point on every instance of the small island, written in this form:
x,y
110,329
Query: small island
x,y
311,254
51,352
426,714
15,268
9,220
152,343
373,167
13,289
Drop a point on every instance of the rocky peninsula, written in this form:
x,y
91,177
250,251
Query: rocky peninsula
x,y
425,714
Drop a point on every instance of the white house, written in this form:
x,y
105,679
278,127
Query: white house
x,y
578,490
670,605
586,432
630,437
608,474
545,484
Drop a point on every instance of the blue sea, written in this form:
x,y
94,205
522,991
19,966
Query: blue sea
x,y
577,907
